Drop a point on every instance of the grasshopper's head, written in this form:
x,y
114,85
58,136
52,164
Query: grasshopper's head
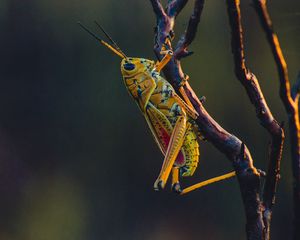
x,y
133,66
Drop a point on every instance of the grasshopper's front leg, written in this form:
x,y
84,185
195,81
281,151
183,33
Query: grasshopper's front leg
x,y
174,147
149,87
168,55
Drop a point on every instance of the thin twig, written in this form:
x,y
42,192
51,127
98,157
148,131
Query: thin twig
x,y
190,33
174,7
157,8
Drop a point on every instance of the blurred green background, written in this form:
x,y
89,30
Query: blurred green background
x,y
77,160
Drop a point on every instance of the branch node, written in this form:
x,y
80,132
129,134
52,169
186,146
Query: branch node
x,y
202,99
182,54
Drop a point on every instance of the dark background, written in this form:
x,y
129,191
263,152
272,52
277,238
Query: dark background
x,y
77,160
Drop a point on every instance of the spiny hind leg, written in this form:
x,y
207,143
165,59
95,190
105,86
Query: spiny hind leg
x,y
175,180
174,147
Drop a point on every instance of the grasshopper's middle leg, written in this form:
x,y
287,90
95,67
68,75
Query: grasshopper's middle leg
x,y
174,147
175,180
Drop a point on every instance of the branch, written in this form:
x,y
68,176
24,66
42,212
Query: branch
x,y
230,145
263,113
174,7
164,27
190,33
296,89
290,101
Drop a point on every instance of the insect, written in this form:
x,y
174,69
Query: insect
x,y
170,118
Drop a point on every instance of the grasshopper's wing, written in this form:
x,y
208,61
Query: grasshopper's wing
x,y
160,126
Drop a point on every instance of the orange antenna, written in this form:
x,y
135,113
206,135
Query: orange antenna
x,y
110,38
116,51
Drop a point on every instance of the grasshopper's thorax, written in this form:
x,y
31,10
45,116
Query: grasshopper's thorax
x,y
136,73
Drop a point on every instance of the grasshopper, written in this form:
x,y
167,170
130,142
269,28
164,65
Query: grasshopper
x,y
170,118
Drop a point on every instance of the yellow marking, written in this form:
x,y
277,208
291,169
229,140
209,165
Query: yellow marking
x,y
207,182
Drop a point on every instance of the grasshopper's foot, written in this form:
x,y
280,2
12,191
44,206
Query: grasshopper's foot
x,y
176,188
159,185
262,173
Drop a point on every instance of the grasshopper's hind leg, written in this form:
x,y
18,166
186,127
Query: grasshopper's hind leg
x,y
174,147
175,180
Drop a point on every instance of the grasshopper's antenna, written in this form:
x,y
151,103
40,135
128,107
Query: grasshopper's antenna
x,y
110,38
116,51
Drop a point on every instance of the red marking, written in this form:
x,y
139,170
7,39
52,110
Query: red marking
x,y
180,159
165,137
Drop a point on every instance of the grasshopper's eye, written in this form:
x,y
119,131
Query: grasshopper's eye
x,y
129,66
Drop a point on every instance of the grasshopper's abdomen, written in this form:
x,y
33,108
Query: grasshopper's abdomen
x,y
191,153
